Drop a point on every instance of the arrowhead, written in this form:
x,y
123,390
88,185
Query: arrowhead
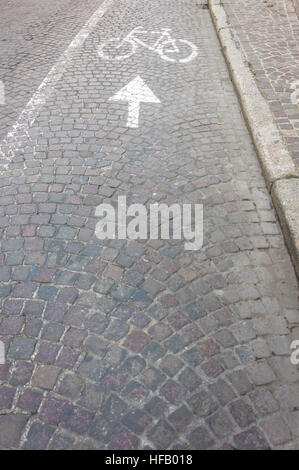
x,y
135,91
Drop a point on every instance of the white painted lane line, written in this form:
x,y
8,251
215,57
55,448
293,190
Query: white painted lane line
x,y
9,145
2,353
134,93
2,93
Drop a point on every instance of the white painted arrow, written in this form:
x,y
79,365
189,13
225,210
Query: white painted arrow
x,y
134,93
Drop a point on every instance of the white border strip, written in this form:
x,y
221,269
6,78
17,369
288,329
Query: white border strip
x,y
27,117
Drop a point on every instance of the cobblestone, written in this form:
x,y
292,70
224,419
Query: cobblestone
x,y
118,344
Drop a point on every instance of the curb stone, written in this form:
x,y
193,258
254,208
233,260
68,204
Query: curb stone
x,y
287,206
279,169
296,6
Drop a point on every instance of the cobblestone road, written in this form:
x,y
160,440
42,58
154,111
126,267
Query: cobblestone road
x,y
141,344
33,34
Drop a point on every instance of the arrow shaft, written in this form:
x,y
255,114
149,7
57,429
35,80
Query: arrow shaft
x,y
133,114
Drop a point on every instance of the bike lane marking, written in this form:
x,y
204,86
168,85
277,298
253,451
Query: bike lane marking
x,y
28,116
134,93
165,39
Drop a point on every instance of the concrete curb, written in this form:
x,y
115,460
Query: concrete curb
x,y
279,169
296,6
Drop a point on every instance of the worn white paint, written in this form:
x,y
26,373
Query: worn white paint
x,y
31,110
134,93
2,353
2,93
295,93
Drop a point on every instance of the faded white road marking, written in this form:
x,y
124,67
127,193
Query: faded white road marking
x,y
134,93
2,93
295,93
2,353
10,144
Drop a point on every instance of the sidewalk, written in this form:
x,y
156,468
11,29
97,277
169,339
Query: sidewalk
x,y
268,32
260,44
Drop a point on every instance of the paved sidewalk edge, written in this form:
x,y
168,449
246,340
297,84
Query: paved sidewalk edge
x,y
279,169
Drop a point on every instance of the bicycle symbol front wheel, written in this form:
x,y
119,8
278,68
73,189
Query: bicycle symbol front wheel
x,y
184,51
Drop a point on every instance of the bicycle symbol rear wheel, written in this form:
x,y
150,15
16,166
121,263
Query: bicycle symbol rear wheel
x,y
116,49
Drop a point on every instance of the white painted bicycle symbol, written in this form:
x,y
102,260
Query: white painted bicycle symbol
x,y
165,46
